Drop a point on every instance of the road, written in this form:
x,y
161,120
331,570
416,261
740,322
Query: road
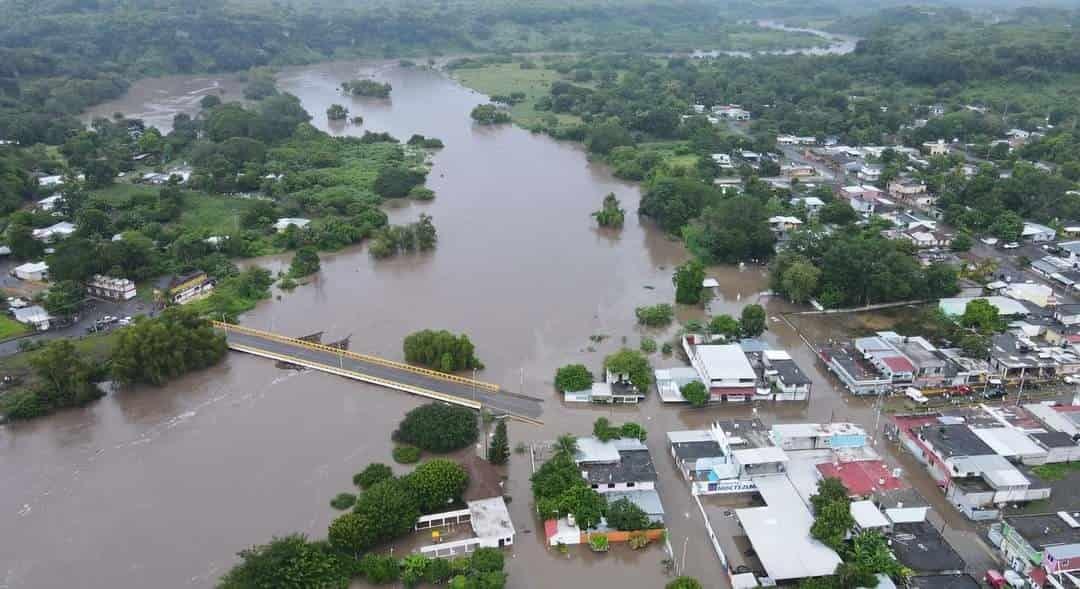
x,y
500,401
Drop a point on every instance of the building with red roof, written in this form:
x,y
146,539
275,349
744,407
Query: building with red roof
x,y
862,478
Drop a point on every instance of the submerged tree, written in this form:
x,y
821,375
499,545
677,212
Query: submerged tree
x,y
610,213
336,112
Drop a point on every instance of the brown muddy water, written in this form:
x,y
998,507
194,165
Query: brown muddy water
x,y
161,487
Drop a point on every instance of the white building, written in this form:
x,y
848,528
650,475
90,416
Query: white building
x,y
54,233
50,203
1036,233
490,522
114,289
724,369
34,316
282,224
34,271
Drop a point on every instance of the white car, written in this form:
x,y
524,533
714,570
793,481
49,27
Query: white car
x,y
989,240
1011,245
1070,379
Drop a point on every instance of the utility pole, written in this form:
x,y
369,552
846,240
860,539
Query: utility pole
x,y
682,567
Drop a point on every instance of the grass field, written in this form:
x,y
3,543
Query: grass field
x,y
94,348
505,78
10,328
122,192
216,215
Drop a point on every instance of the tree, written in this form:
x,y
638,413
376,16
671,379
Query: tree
x,y
369,88
487,560
438,428
64,298
732,230
603,430
352,534
982,316
65,379
695,393
499,450
632,365
586,505
397,181
291,562
655,315
390,508
373,473
610,214
688,280
800,281
155,350
566,445
573,377
838,212
633,430
962,242
437,483
209,101
725,325
683,583
624,515
832,513
489,114
752,321
380,569
336,112
305,262
1008,226
441,350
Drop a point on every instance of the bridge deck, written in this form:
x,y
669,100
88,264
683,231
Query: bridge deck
x,y
412,379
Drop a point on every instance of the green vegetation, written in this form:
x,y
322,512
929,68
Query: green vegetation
x,y
752,321
725,325
406,454
610,213
630,364
441,350
304,263
598,542
336,112
695,393
658,315
437,483
1057,471
343,501
687,279
64,379
558,489
573,377
683,583
369,88
605,431
289,562
425,142
373,473
10,328
489,114
983,317
499,449
625,515
648,345
156,350
436,427
864,555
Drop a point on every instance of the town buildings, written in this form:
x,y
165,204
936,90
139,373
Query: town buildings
x,y
113,289
179,290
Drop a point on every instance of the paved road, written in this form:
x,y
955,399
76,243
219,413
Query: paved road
x,y
496,402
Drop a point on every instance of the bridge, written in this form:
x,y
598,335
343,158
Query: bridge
x,y
431,384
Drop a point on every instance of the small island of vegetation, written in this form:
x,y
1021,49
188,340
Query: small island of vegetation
x,y
369,88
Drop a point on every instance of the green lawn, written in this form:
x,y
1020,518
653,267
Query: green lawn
x,y
1056,471
122,192
216,215
95,348
504,78
10,328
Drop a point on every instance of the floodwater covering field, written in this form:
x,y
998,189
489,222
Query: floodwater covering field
x,y
162,486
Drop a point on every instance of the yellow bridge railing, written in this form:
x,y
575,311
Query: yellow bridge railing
x,y
227,327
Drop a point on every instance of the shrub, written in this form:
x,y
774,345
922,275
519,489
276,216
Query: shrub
x,y
666,349
406,454
380,570
438,428
438,571
656,315
372,473
648,345
638,540
343,501
598,542
486,560
632,364
573,377
683,583
389,509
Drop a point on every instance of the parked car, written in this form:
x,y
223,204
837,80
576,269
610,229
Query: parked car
x,y
915,395
1070,379
1011,245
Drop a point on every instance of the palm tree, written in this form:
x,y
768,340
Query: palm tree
x,y
566,445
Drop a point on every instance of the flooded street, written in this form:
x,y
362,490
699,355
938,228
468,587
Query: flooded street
x,y
161,487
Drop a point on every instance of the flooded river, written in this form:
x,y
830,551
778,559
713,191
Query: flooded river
x,y
161,487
